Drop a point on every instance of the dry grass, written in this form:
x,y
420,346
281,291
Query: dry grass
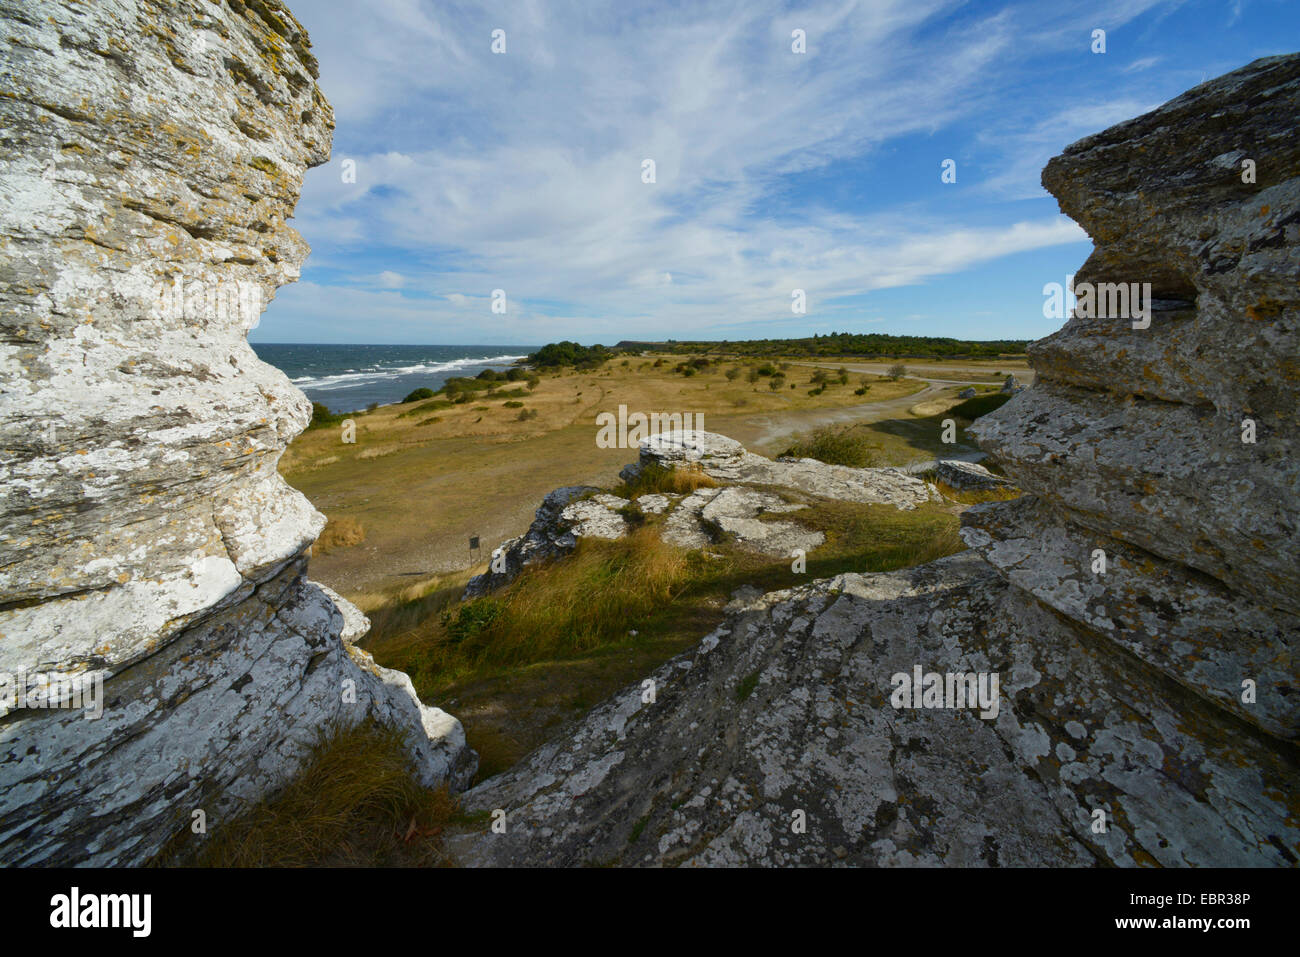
x,y
682,480
342,532
552,612
438,483
354,804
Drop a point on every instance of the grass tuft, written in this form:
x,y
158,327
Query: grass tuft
x,y
342,532
355,804
658,479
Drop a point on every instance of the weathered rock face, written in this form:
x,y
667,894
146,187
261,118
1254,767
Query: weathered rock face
x,y
152,153
1145,713
1174,446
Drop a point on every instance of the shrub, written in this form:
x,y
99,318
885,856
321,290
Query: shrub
x,y
418,394
897,371
560,354
321,416
525,414
836,447
470,619
513,404
732,374
342,532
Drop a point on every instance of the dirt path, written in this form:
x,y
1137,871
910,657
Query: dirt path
x,y
1025,375
763,433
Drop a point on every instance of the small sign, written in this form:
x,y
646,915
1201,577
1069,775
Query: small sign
x,y
473,543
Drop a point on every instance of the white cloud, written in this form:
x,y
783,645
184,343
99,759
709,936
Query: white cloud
x,y
522,171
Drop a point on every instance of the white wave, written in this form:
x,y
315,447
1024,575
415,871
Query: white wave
x,y
344,380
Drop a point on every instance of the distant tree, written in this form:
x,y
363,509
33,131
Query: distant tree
x,y
321,416
897,371
561,354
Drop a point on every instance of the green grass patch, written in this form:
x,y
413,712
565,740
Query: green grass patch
x,y
837,446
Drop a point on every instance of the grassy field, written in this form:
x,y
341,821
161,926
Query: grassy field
x,y
424,477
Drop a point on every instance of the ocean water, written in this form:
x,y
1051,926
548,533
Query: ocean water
x,y
347,378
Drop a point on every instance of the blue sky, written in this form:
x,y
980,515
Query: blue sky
x,y
774,170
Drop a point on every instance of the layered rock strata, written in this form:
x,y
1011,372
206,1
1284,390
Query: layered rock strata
x,y
152,155
1138,607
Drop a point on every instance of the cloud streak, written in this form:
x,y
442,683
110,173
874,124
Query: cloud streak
x,y
773,170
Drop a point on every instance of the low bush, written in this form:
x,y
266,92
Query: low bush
x,y
836,447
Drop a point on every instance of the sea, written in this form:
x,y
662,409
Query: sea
x,y
348,378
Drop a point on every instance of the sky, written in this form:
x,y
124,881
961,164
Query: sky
x,y
525,171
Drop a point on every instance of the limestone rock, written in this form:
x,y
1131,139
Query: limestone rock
x,y
565,515
153,155
727,460
968,476
1012,385
1190,626
966,394
786,708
